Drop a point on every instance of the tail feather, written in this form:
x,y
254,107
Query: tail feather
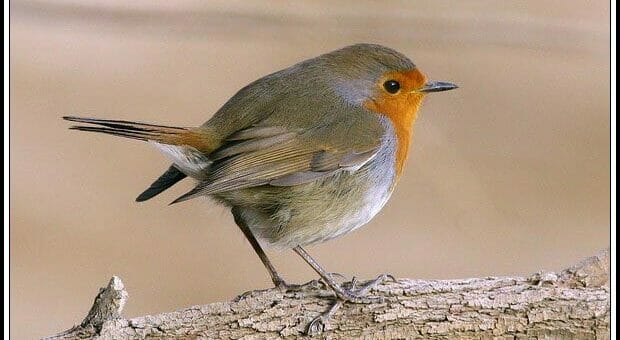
x,y
186,147
134,130
114,132
116,123
165,181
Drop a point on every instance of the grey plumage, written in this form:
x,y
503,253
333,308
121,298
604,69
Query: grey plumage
x,y
281,147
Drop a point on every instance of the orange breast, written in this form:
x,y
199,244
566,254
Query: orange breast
x,y
400,108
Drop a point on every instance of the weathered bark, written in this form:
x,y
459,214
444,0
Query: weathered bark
x,y
574,303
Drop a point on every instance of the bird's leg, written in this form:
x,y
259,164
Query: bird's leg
x,y
277,280
348,295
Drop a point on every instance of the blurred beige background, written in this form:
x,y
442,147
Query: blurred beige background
x,y
508,175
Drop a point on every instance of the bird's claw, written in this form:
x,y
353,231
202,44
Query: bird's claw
x,y
318,324
358,295
286,287
338,275
291,287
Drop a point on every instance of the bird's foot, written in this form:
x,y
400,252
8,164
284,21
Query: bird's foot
x,y
372,284
350,294
354,295
280,284
317,325
292,287
338,275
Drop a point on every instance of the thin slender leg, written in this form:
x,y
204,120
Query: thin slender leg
x,y
277,280
275,277
341,293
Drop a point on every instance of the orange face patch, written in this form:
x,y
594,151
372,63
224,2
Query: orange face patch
x,y
400,107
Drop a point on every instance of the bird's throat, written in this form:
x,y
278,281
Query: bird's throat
x,y
402,114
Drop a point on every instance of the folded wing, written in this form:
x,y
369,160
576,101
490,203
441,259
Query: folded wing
x,y
286,156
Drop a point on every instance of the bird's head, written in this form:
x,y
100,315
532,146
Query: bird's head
x,y
383,81
366,73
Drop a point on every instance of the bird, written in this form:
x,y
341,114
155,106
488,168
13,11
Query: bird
x,y
300,156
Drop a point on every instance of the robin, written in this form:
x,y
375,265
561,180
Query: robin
x,y
302,155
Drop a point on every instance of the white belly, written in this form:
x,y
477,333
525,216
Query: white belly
x,y
371,204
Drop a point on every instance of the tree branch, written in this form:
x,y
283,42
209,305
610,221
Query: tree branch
x,y
574,303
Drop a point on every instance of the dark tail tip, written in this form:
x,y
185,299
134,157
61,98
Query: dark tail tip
x,y
165,181
178,200
76,119
183,198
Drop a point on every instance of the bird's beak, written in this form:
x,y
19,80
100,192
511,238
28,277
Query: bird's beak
x,y
436,86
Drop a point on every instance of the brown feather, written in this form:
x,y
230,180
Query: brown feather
x,y
171,135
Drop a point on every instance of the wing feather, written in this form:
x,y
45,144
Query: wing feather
x,y
279,156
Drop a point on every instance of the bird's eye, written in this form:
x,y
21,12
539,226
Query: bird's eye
x,y
392,86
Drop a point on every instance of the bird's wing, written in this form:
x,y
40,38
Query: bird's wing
x,y
286,156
